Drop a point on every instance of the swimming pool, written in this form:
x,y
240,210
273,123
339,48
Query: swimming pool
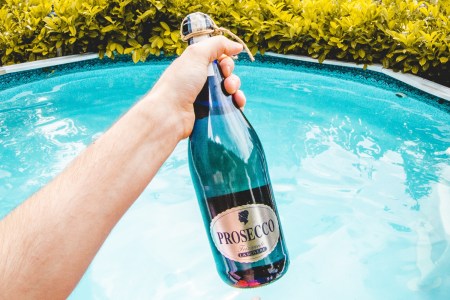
x,y
360,168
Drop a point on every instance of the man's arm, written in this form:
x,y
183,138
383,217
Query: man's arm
x,y
47,243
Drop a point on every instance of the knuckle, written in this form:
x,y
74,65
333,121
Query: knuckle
x,y
193,49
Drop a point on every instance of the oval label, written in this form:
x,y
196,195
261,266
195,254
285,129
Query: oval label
x,y
246,233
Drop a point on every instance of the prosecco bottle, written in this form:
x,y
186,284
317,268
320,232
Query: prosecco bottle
x,y
231,180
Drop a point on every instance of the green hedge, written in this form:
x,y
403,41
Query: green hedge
x,y
407,35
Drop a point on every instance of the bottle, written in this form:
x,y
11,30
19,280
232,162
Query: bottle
x,y
231,180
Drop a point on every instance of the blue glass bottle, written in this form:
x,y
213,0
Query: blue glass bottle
x,y
230,176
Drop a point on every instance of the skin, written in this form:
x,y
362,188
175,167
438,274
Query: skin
x,y
48,242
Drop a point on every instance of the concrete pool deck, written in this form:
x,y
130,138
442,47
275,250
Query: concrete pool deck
x,y
422,84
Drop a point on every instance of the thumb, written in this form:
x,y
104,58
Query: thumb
x,y
211,49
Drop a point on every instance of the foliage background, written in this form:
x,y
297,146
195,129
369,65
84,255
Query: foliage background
x,y
407,35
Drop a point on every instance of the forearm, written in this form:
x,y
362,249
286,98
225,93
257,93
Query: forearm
x,y
48,242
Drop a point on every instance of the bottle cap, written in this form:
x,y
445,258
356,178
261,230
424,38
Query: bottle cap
x,y
200,24
197,24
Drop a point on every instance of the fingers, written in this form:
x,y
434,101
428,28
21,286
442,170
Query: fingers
x,y
213,48
220,48
239,99
232,83
226,65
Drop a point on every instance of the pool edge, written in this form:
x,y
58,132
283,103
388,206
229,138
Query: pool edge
x,y
422,84
45,63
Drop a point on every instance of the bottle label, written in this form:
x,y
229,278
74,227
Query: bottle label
x,y
246,233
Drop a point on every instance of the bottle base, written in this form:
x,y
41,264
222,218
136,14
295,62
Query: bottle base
x,y
257,276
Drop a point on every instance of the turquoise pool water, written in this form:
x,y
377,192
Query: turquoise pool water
x,y
361,177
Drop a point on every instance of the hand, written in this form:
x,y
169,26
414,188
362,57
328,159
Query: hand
x,y
184,78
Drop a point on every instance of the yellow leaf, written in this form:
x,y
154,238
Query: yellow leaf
x,y
160,43
235,15
133,43
443,59
108,28
165,26
128,50
119,48
422,61
321,58
361,53
136,56
174,35
109,19
400,58
72,30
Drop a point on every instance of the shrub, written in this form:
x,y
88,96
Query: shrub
x,y
407,35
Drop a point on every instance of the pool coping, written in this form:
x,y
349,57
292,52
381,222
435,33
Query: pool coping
x,y
45,63
422,84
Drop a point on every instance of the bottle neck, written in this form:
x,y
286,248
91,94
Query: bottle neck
x,y
200,38
212,99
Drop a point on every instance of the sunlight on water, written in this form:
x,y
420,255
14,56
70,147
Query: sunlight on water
x,y
361,178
